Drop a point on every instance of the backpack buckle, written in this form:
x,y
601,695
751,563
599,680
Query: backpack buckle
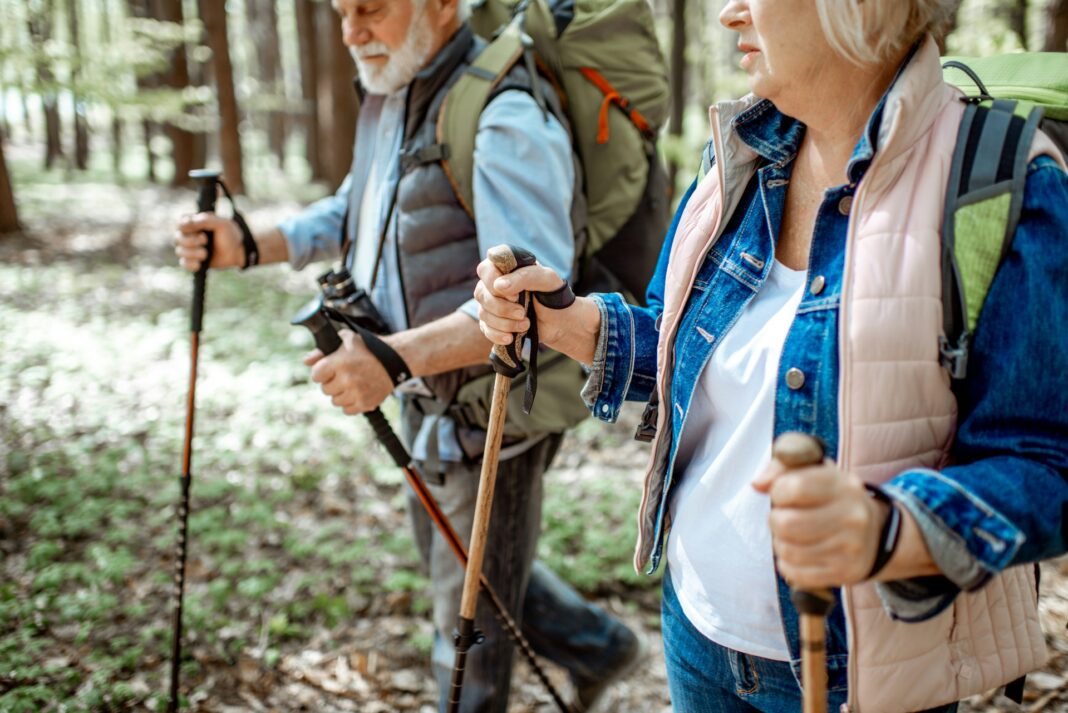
x,y
954,358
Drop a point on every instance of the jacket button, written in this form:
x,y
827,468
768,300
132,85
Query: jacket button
x,y
795,378
818,283
845,205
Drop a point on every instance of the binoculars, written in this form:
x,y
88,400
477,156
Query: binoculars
x,y
339,303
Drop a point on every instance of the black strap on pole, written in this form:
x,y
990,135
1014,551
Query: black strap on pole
x,y
328,341
207,182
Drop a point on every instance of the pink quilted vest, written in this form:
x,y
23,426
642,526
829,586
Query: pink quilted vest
x,y
896,409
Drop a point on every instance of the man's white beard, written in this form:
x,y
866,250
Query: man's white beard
x,y
402,64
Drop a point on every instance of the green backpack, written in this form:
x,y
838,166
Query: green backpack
x,y
604,60
1009,97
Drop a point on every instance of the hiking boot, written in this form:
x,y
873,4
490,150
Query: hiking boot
x,y
633,650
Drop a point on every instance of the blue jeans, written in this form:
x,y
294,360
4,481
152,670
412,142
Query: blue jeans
x,y
704,677
560,625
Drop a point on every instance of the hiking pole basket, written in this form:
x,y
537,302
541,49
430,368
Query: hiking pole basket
x,y
207,183
316,320
798,450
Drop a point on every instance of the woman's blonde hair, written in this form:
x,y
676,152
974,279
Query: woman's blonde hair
x,y
873,31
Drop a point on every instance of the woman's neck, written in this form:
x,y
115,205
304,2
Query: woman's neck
x,y
836,111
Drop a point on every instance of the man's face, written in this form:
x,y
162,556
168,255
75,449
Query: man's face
x,y
391,40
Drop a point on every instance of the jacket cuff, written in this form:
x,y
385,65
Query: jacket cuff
x,y
613,360
968,540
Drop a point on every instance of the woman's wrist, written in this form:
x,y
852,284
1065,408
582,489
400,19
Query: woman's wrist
x,y
579,328
911,558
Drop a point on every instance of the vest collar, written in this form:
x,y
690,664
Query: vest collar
x,y
432,78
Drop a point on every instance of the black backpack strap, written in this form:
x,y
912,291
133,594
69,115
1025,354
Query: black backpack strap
x,y
990,160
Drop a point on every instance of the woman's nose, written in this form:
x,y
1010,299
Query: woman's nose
x,y
735,15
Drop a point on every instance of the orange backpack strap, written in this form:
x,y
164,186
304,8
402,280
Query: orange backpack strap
x,y
611,96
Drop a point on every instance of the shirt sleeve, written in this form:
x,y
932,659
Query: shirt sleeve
x,y
314,233
1004,502
524,178
624,362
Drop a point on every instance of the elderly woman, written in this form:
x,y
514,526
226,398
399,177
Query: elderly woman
x,y
800,290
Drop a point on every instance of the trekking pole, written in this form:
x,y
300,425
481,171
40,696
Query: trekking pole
x,y
798,450
328,341
207,181
508,363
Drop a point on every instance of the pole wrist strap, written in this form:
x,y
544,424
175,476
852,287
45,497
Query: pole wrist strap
x,y
386,355
252,250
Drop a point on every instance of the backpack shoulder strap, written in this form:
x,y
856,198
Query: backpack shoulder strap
x,y
984,198
458,119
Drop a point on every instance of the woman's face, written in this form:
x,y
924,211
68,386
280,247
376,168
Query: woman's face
x,y
785,48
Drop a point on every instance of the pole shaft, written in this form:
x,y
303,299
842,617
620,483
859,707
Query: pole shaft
x,y
814,663
479,530
484,499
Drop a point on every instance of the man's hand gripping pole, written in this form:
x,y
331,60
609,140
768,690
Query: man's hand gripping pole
x,y
328,341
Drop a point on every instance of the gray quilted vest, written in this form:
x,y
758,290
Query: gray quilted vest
x,y
436,237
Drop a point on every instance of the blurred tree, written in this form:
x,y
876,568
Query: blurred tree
x,y
213,15
146,82
1015,14
182,140
337,99
9,219
678,81
267,69
81,118
1056,26
40,19
309,83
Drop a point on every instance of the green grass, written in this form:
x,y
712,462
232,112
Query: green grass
x,y
94,368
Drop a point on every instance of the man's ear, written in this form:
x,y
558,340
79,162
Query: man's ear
x,y
448,12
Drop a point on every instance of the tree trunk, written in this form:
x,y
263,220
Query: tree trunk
x,y
182,148
1015,14
951,25
337,100
1056,26
9,218
147,9
81,120
309,84
116,146
678,80
213,15
40,26
263,27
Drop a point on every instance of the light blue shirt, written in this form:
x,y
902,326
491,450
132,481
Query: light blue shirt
x,y
523,181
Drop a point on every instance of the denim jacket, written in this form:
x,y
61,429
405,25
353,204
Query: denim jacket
x,y
1005,499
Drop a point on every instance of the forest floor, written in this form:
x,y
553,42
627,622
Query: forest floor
x,y
303,586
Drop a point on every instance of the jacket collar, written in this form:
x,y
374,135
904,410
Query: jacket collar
x,y
432,78
752,128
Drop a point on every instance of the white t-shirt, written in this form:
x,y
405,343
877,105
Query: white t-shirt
x,y
719,549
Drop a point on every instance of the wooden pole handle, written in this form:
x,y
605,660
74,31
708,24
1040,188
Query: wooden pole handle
x,y
799,450
507,359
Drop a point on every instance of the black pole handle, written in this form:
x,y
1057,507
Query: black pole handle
x,y
328,342
311,316
207,192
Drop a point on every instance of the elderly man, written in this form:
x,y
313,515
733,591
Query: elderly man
x,y
412,245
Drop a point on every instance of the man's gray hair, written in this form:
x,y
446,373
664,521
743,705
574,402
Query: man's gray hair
x,y
873,31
